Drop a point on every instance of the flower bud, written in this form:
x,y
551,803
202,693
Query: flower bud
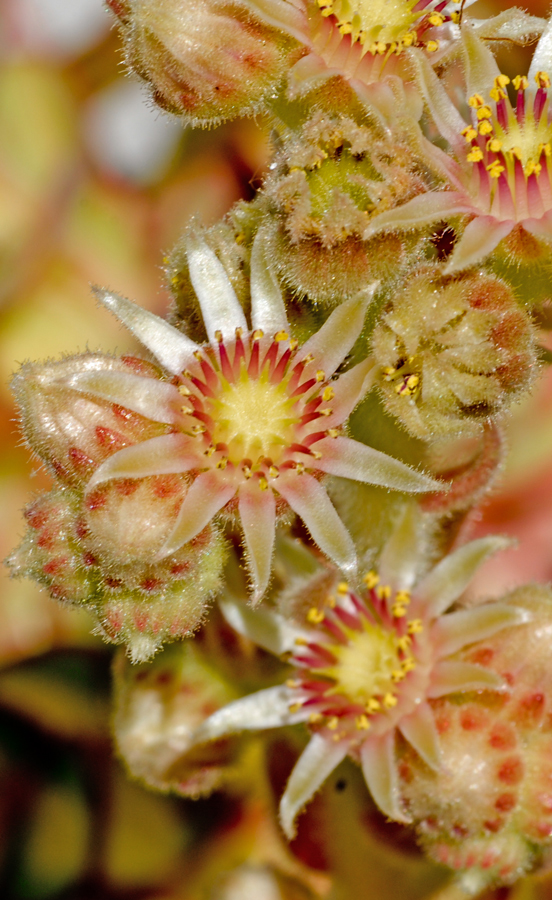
x,y
453,352
327,184
158,706
487,811
207,60
72,432
97,553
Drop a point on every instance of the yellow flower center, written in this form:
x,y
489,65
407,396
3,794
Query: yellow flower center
x,y
365,665
382,26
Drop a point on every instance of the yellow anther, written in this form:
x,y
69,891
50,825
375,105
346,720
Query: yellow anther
x,y
343,588
333,432
496,94
300,642
542,79
274,472
398,611
294,707
333,723
371,579
338,737
381,47
238,332
316,454
532,167
402,597
222,463
345,28
408,664
330,601
325,412
408,39
320,375
218,336
485,128
484,112
520,82
384,592
291,683
328,394
404,642
436,19
187,373
257,334
362,723
476,101
517,152
293,343
501,81
198,429
397,675
475,155
247,473
373,705
455,16
210,450
389,701
495,170
263,483
281,336
300,468
408,385
494,145
308,358
432,46
415,626
469,133
315,616
315,717
197,354
240,238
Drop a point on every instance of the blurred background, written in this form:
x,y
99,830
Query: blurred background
x,y
95,187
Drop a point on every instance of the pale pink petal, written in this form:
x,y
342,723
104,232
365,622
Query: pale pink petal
x,y
163,455
266,628
318,760
540,228
480,238
379,767
255,712
349,389
347,458
452,677
257,510
306,73
425,209
456,630
542,55
220,307
480,65
450,578
400,557
308,498
169,346
420,731
382,102
156,400
208,494
282,14
267,303
332,342
442,110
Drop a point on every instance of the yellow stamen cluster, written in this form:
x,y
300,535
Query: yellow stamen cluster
x,y
383,28
407,382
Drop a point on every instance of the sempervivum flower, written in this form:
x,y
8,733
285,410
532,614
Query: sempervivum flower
x,y
500,176
250,421
368,662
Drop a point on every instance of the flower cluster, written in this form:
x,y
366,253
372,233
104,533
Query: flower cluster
x,y
319,417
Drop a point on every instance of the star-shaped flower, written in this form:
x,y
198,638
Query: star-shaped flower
x,y
500,172
368,662
254,420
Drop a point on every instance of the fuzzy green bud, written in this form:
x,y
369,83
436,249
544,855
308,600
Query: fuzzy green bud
x,y
453,352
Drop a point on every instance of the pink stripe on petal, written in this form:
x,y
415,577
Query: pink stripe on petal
x,y
257,510
308,498
207,495
169,453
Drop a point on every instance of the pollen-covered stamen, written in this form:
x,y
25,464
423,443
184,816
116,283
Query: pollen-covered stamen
x,y
255,403
512,146
357,672
406,380
384,28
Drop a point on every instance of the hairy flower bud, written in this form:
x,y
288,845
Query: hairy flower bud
x,y
487,811
327,184
208,60
96,553
453,352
